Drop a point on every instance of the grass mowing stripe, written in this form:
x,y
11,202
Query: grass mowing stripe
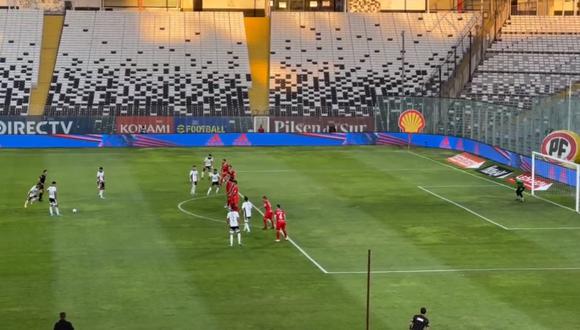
x,y
336,217
322,269
489,180
122,269
464,208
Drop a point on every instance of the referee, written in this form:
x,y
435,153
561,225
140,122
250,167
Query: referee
x,y
420,321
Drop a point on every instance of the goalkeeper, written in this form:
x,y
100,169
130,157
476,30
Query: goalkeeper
x,y
520,190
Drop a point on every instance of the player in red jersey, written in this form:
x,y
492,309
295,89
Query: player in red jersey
x,y
224,165
280,223
229,186
234,195
268,214
232,173
225,171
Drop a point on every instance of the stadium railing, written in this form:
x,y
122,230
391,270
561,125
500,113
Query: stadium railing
x,y
508,127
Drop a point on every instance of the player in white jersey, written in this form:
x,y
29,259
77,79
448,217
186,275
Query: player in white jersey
x,y
215,182
32,195
101,182
247,208
193,179
233,220
207,166
52,202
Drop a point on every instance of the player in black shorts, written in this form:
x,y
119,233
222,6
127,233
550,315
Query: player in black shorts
x,y
420,321
41,180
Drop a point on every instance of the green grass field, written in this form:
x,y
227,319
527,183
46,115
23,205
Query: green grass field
x,y
441,237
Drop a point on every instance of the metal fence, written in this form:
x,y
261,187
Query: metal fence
x,y
511,128
508,127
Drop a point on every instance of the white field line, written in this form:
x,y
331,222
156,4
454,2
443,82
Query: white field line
x,y
464,208
461,270
322,269
338,171
487,219
461,186
544,228
180,207
489,180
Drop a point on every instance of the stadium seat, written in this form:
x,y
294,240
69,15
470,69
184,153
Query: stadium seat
x,y
533,56
343,64
151,63
20,41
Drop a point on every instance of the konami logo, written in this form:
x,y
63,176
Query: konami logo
x,y
145,128
149,125
321,125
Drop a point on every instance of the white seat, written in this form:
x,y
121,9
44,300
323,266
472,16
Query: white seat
x,y
335,63
159,63
533,56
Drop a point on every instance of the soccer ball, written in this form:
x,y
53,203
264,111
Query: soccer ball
x,y
75,210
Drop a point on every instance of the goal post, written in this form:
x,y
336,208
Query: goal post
x,y
565,190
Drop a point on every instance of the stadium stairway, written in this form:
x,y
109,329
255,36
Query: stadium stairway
x,y
50,40
258,38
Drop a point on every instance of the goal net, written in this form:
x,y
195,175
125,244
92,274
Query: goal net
x,y
556,180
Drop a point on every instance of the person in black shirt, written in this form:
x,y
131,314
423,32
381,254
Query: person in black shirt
x,y
420,321
63,324
41,180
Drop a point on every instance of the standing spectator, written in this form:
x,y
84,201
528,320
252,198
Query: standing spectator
x,y
63,324
420,321
261,129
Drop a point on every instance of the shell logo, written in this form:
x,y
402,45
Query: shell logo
x,y
411,121
563,145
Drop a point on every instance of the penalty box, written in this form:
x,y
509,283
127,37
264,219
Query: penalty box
x,y
496,205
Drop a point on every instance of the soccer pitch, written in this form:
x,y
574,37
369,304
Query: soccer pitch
x,y
152,257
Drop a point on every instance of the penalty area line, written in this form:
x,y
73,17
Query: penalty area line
x,y
462,186
491,221
464,208
304,253
460,270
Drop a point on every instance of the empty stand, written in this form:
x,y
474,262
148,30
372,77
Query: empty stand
x,y
534,56
154,63
20,41
344,64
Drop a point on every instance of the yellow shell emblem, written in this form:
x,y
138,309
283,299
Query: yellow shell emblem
x,y
411,121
